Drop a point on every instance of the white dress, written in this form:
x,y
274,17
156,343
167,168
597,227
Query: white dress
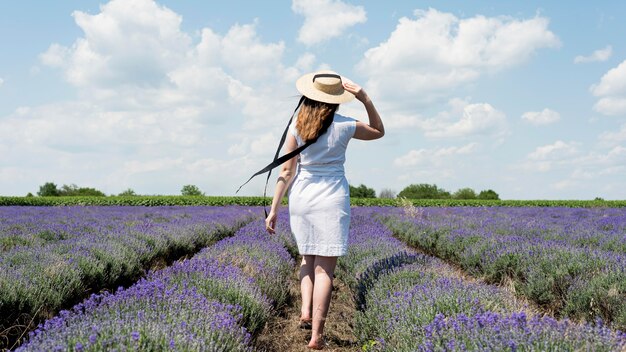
x,y
319,197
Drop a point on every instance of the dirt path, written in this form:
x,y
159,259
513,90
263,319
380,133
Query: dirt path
x,y
283,334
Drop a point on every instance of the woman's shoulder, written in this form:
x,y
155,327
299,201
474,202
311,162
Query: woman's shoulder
x,y
345,124
342,118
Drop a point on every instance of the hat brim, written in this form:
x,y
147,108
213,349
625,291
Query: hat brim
x,y
305,86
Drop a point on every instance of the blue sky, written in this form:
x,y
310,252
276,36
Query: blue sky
x,y
526,98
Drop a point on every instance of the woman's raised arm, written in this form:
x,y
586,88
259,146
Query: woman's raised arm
x,y
375,129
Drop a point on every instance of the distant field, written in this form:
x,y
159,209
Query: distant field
x,y
252,201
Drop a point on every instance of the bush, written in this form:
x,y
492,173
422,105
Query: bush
x,y
488,194
191,190
48,189
362,192
464,193
73,191
424,191
128,193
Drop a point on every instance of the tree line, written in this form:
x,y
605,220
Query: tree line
x,y
414,191
423,191
50,189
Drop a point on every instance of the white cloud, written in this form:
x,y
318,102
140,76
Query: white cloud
x,y
1,81
461,120
400,121
55,56
548,157
326,19
612,138
597,56
254,146
565,184
612,91
305,62
258,60
556,151
464,120
427,57
544,117
611,106
596,167
572,167
616,156
84,126
149,58
121,47
612,83
144,62
433,157
436,164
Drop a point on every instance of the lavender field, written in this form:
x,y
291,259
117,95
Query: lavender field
x,y
410,301
233,278
52,257
207,303
570,261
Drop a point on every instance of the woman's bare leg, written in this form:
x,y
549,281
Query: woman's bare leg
x,y
307,278
322,290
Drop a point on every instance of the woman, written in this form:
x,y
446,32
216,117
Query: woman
x,y
319,198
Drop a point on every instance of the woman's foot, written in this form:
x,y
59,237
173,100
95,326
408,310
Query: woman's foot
x,y
318,345
317,342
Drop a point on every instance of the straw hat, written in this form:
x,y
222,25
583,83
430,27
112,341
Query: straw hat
x,y
324,86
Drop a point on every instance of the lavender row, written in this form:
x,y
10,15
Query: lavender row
x,y
149,316
52,256
372,250
267,259
426,306
422,307
212,302
572,261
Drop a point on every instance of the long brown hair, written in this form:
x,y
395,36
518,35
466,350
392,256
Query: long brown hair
x,y
311,117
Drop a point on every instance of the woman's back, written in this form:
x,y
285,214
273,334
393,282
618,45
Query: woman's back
x,y
327,155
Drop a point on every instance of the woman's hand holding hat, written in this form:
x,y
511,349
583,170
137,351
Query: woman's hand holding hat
x,y
355,89
375,128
